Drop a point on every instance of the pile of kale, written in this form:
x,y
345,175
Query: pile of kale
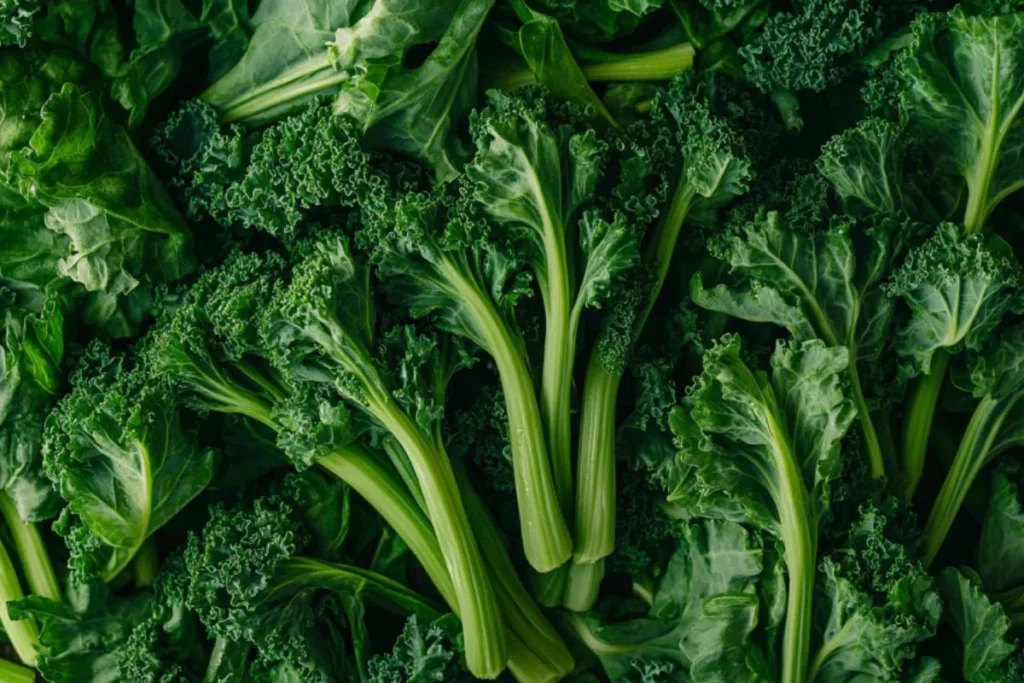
x,y
438,340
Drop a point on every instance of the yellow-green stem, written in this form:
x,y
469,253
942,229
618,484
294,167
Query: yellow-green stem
x,y
918,426
799,538
972,455
595,492
372,480
595,509
546,540
15,673
481,618
145,564
31,550
584,586
23,634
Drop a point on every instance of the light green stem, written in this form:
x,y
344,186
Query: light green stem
x,y
546,540
31,550
481,618
595,511
15,673
972,455
584,586
526,625
376,589
522,615
371,480
596,485
557,366
23,634
658,65
145,564
799,538
919,422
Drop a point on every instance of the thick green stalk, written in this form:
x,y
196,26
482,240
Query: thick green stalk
x,y
145,564
595,492
972,455
303,80
799,538
657,65
535,652
595,511
546,540
31,550
368,477
919,422
23,634
548,588
376,589
481,618
584,586
557,365
522,615
556,391
15,673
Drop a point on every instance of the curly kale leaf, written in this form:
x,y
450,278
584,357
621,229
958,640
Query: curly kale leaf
x,y
875,604
121,457
422,653
958,289
701,616
147,636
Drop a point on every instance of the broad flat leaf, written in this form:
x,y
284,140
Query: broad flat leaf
x,y
744,436
963,94
982,625
228,22
417,110
541,43
1000,551
77,154
299,50
702,613
29,251
163,31
31,358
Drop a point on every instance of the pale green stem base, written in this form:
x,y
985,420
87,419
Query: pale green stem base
x,y
31,550
919,422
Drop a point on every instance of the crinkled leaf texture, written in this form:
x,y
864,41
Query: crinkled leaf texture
x,y
31,356
123,461
114,229
99,636
958,289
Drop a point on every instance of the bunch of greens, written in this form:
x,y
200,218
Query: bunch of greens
x,y
661,341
